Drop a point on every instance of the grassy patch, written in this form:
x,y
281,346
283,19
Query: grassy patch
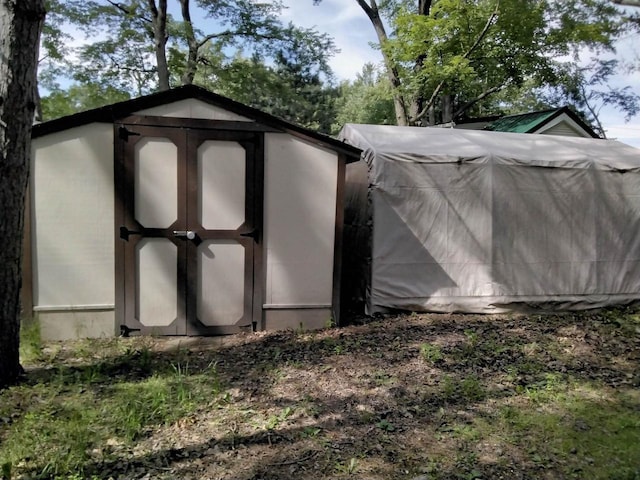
x,y
73,418
430,353
30,344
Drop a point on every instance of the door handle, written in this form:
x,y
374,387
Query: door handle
x,y
255,234
188,234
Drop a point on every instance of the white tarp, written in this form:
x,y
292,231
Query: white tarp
x,y
475,221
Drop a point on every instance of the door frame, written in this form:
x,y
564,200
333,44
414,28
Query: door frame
x,y
124,285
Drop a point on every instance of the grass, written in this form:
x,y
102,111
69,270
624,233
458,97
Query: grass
x,y
430,396
68,416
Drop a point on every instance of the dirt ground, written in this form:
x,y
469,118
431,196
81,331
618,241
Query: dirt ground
x,y
405,397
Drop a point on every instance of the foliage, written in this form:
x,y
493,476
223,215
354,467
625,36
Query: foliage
x,y
245,52
472,49
450,59
78,97
368,99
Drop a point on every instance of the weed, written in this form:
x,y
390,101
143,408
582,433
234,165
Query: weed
x,y
468,389
547,389
311,432
385,425
349,467
382,379
5,470
468,433
472,338
466,465
30,344
430,353
472,389
275,420
330,323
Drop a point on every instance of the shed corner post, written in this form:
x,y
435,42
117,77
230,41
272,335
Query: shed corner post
x,y
119,205
336,303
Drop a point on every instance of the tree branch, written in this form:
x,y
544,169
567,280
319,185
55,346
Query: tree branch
x,y
237,33
600,128
370,10
480,97
126,11
471,49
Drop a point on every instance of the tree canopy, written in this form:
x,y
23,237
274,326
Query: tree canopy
x,y
443,59
134,47
448,59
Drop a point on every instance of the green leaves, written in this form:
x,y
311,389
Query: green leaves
x,y
120,52
470,50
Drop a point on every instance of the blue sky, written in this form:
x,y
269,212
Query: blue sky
x,y
345,21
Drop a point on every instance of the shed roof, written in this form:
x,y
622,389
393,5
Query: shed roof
x,y
116,111
532,121
448,145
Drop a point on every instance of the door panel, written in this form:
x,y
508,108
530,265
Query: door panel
x,y
188,228
157,292
223,211
221,282
221,185
156,182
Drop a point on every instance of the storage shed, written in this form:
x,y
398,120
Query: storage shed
x,y
474,221
182,213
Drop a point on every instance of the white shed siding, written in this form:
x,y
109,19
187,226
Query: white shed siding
x,y
562,129
192,108
73,218
299,221
563,126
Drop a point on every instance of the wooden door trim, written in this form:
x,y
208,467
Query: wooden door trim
x,y
125,268
250,142
226,130
199,124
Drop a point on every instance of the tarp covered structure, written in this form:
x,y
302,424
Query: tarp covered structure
x,y
475,221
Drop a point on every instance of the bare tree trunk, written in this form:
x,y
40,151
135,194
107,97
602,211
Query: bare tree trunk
x,y
20,25
415,104
447,108
371,9
159,19
192,55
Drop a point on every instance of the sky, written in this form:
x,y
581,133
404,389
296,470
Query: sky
x,y
353,34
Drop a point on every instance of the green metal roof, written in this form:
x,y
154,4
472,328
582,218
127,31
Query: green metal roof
x,y
522,123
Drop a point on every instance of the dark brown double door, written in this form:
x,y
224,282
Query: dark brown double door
x,y
188,228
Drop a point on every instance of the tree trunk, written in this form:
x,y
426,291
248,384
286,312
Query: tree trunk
x,y
192,54
392,72
447,108
159,19
20,25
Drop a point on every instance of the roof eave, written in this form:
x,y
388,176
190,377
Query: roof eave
x,y
114,112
